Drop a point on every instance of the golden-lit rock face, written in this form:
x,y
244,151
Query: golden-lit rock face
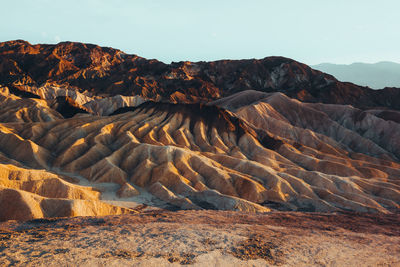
x,y
17,109
195,156
72,149
29,193
22,205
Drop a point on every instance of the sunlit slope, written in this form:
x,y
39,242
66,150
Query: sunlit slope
x,y
196,156
30,193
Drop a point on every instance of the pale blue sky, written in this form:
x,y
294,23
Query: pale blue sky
x,y
311,31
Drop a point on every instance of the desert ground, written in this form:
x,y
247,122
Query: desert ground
x,y
204,238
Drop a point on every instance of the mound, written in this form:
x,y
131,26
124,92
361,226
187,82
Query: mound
x,y
21,205
17,109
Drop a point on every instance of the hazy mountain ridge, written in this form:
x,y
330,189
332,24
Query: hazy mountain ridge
x,y
378,75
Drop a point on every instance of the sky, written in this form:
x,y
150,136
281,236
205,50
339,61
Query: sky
x,y
310,31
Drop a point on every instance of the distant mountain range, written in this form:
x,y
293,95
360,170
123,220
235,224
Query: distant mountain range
x,y
376,76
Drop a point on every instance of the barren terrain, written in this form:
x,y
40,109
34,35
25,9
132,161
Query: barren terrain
x,y
110,159
204,238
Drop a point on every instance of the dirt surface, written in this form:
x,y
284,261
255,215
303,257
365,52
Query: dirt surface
x,y
204,238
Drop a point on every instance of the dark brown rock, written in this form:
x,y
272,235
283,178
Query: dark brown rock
x,y
107,71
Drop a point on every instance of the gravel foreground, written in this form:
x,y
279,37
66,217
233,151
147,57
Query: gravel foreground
x,y
204,238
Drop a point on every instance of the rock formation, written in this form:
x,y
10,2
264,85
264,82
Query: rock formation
x,y
86,130
102,71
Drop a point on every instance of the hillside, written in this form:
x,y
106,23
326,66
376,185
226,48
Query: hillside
x,y
91,131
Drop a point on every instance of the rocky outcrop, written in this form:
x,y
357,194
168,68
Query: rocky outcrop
x,y
28,194
85,102
95,70
67,107
44,183
127,191
16,109
21,205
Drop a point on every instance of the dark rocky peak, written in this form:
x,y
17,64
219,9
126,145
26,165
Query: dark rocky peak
x,y
108,72
66,106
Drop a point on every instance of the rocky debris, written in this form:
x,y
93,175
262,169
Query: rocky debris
x,y
256,247
205,237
